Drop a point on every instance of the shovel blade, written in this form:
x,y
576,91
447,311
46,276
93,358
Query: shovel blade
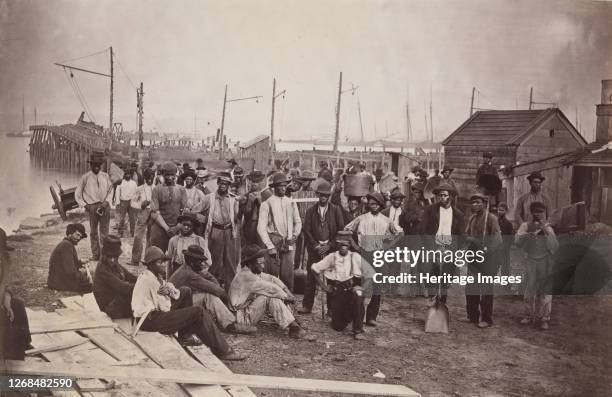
x,y
437,319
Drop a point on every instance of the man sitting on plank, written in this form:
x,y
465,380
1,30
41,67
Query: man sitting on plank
x,y
113,285
207,292
254,293
167,309
66,271
186,237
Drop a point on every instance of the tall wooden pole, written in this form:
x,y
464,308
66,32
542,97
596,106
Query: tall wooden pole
x,y
337,136
472,102
272,121
140,92
361,124
112,83
221,148
530,97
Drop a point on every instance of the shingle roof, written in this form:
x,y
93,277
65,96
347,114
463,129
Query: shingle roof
x,y
498,127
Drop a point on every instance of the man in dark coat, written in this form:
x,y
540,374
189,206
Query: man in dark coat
x,y
113,285
396,211
321,224
66,271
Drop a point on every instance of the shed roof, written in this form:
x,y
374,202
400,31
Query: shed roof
x,y
503,127
254,141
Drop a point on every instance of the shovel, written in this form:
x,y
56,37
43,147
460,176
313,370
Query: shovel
x,y
438,316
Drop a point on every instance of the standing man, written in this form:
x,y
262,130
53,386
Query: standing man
x,y
486,168
201,177
142,204
278,227
167,203
507,231
222,230
372,228
184,239
538,239
250,206
321,224
482,233
93,193
415,209
396,211
195,197
66,270
446,177
521,213
232,164
124,195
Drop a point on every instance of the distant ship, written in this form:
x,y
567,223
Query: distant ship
x,y
24,133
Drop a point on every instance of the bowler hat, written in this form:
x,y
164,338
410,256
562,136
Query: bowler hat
x,y
447,168
536,175
154,253
188,217
324,188
196,252
224,176
76,227
256,176
96,158
378,198
344,237
307,175
278,178
169,168
443,186
480,196
397,194
252,251
238,171
111,246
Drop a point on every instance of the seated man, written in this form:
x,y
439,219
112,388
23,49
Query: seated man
x,y
206,290
168,310
113,285
254,293
66,271
186,237
342,271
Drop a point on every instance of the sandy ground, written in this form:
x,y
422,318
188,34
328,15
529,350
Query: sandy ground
x,y
571,359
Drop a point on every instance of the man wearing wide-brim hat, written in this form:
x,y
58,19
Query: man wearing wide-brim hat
x,y
94,193
206,290
185,237
535,194
255,293
66,270
278,226
372,229
167,309
202,176
113,284
322,222
486,168
339,274
222,230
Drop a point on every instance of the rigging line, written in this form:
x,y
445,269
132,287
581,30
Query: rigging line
x,y
486,98
75,92
81,97
85,56
124,72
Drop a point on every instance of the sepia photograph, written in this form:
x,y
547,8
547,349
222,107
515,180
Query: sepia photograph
x,y
232,198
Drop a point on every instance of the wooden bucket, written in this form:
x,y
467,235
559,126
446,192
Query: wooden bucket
x,y
357,185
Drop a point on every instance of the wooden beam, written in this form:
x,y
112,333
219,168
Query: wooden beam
x,y
56,346
72,326
202,378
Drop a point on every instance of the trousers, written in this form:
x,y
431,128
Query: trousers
x,y
187,319
140,234
124,209
98,227
346,307
222,249
282,267
119,308
14,336
479,296
220,313
261,305
537,297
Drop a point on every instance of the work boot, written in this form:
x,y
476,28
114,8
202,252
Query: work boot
x,y
484,324
544,326
525,321
191,340
233,355
296,332
370,323
237,328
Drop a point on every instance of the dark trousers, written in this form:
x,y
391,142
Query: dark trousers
x,y
310,288
373,308
14,336
124,209
479,296
158,237
222,247
187,319
347,308
119,307
98,227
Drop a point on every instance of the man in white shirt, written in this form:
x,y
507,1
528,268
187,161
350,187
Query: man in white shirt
x,y
142,203
124,195
93,193
396,211
278,226
168,310
185,238
195,197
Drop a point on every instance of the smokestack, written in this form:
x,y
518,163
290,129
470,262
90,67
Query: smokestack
x,y
603,133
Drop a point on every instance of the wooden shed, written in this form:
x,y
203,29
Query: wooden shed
x,y
257,149
515,137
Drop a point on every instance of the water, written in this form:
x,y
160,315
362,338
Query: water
x,y
25,188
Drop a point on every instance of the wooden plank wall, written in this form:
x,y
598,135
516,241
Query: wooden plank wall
x,y
49,149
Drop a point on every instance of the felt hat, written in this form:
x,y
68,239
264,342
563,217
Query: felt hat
x,y
111,246
397,194
378,198
225,177
252,251
148,173
238,171
326,174
480,196
443,186
344,237
307,175
202,173
154,253
196,252
76,227
96,158
278,178
188,217
256,176
189,173
3,246
378,172
169,168
324,188
447,168
536,175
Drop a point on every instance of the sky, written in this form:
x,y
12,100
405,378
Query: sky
x,y
399,53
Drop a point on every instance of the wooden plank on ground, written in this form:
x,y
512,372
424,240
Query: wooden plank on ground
x,y
85,302
205,378
56,393
55,347
47,328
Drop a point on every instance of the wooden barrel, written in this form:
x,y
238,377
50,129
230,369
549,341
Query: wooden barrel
x,y
357,185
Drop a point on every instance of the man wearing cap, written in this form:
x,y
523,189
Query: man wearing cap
x,y
482,233
254,294
415,209
167,203
206,290
522,212
339,274
250,206
142,204
372,229
321,224
66,271
442,229
486,168
278,226
396,212
113,285
201,178
93,194
185,238
124,194
222,212
195,197
538,240
15,335
167,309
